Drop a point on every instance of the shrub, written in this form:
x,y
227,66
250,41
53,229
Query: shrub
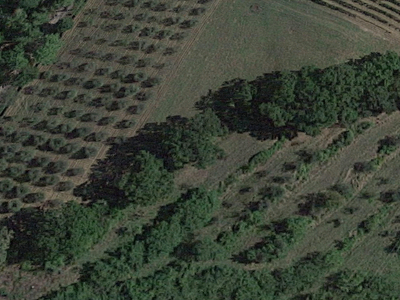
x,y
148,181
86,67
69,148
73,114
35,140
14,205
130,29
367,166
85,152
162,34
83,98
74,172
46,92
15,171
126,60
362,126
178,36
107,121
142,63
388,145
147,31
45,75
20,136
29,121
82,24
25,155
137,45
33,174
110,27
54,111
96,137
79,132
59,77
91,84
100,41
126,91
126,124
55,144
40,162
90,117
63,128
7,130
118,43
187,24
171,21
57,167
144,96
55,203
99,102
3,164
344,189
64,186
108,57
19,191
102,72
73,81
109,88
34,198
64,95
197,11
52,123
169,51
47,180
151,48
116,105
272,193
150,82
6,185
117,140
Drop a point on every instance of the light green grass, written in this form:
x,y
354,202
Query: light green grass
x,y
285,34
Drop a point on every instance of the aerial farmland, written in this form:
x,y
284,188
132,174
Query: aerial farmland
x,y
199,149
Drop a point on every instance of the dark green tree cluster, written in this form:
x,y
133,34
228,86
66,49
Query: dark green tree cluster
x,y
146,181
284,235
172,226
192,211
27,38
350,284
310,99
192,140
53,238
180,280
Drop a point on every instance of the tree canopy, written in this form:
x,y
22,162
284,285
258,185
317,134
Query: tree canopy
x,y
310,99
147,181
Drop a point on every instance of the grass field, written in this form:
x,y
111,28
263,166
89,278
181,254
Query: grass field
x,y
283,34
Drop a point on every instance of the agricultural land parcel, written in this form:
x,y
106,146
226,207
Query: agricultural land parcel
x,y
236,42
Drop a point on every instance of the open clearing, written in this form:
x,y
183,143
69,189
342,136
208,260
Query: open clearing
x,y
282,34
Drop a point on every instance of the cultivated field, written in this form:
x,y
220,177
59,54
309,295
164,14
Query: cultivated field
x,y
278,35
